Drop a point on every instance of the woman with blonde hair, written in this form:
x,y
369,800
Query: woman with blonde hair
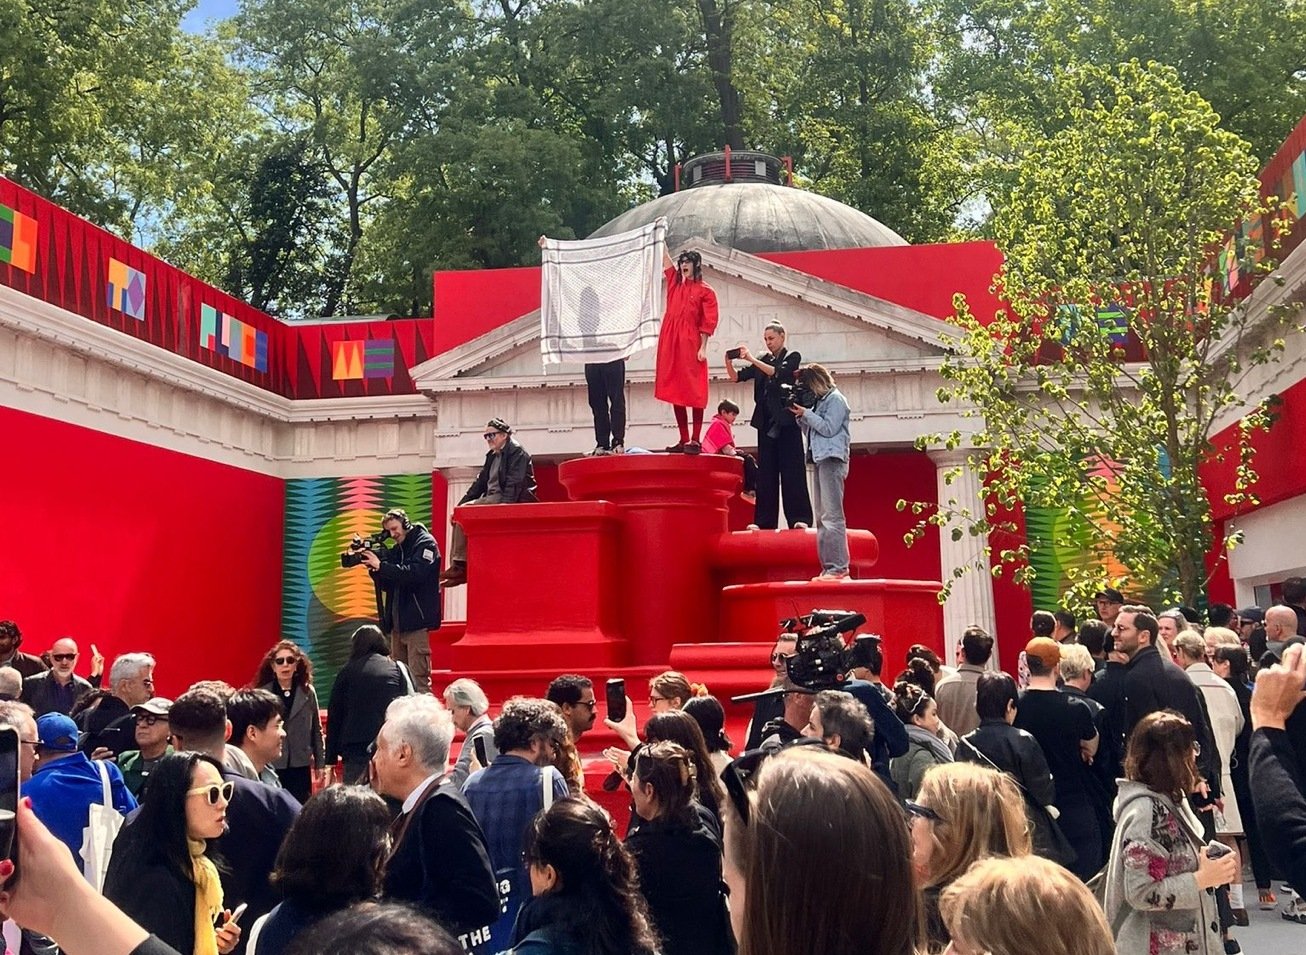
x,y
999,906
962,813
817,859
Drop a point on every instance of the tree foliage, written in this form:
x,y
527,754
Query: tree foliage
x,y
1065,418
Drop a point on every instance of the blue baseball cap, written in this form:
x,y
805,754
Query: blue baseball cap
x,y
57,732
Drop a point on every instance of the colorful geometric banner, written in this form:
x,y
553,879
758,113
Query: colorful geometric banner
x,y
353,361
228,336
17,239
126,290
1112,322
322,602
1299,184
1229,264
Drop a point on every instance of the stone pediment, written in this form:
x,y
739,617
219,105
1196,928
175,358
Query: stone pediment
x,y
829,323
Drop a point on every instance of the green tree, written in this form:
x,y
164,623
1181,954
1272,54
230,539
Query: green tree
x,y
1064,419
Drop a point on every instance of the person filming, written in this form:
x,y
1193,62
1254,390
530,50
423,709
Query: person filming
x,y
780,465
829,446
407,578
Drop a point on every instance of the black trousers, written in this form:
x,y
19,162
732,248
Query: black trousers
x,y
782,469
606,383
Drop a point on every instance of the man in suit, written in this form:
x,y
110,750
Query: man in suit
x,y
258,816
10,656
439,861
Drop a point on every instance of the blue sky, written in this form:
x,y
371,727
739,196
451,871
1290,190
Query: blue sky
x,y
206,10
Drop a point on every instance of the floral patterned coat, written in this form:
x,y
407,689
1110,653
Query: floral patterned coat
x,y
1152,901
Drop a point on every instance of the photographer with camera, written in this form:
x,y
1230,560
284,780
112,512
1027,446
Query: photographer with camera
x,y
407,578
780,464
829,446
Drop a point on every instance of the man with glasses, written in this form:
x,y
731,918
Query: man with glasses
x,y
152,743
110,728
66,783
507,477
574,696
58,689
506,796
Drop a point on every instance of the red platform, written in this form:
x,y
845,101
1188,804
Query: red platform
x,y
639,573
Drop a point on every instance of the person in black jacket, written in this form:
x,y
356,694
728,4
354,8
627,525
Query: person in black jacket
x,y
677,854
1276,770
407,579
439,861
161,867
781,467
507,477
364,687
1001,746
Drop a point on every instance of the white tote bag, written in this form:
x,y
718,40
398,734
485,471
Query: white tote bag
x,y
102,825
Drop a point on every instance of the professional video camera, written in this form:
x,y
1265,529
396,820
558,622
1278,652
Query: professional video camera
x,y
795,396
822,658
354,556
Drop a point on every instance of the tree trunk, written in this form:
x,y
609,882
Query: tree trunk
x,y
719,30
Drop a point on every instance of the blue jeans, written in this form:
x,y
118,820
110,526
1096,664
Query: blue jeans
x,y
831,526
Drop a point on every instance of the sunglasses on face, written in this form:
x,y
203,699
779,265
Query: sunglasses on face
x,y
490,435
63,657
149,719
589,703
285,661
213,793
922,812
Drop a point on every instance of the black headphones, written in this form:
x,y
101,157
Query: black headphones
x,y
400,515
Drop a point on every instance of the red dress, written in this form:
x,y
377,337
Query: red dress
x,y
681,378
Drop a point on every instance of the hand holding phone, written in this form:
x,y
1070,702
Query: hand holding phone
x,y
616,700
482,755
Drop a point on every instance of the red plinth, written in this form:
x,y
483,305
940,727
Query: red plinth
x,y
674,509
540,587
750,556
903,612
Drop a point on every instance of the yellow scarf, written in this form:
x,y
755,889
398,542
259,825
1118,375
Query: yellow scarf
x,y
208,898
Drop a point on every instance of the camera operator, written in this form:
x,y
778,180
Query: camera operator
x,y
780,463
829,446
407,578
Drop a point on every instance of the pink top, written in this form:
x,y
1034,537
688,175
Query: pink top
x,y
719,435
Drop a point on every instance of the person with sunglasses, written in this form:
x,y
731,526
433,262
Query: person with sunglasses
x,y
58,689
507,477
163,874
962,812
153,742
287,671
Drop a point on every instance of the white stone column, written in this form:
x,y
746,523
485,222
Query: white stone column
x,y
971,599
459,479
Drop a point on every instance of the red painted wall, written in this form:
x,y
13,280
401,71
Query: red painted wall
x,y
136,548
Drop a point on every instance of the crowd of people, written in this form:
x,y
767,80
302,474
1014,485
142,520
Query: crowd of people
x,y
1117,782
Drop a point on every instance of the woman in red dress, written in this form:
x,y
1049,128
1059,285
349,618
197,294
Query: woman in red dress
x,y
690,319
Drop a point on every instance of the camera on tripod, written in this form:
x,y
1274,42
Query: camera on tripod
x,y
359,545
822,659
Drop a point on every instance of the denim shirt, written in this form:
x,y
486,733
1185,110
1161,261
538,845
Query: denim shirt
x,y
826,427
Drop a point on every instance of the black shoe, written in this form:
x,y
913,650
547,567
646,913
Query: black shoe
x,y
675,449
693,447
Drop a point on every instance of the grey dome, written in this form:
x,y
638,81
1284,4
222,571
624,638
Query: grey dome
x,y
756,217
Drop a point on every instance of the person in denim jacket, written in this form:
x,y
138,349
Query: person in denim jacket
x,y
828,448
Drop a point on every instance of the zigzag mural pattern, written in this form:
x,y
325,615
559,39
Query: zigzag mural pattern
x,y
322,602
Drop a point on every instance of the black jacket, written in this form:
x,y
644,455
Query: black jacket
x,y
359,697
408,583
151,892
111,724
516,476
768,402
258,818
680,877
1153,683
997,744
39,694
1280,805
441,865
